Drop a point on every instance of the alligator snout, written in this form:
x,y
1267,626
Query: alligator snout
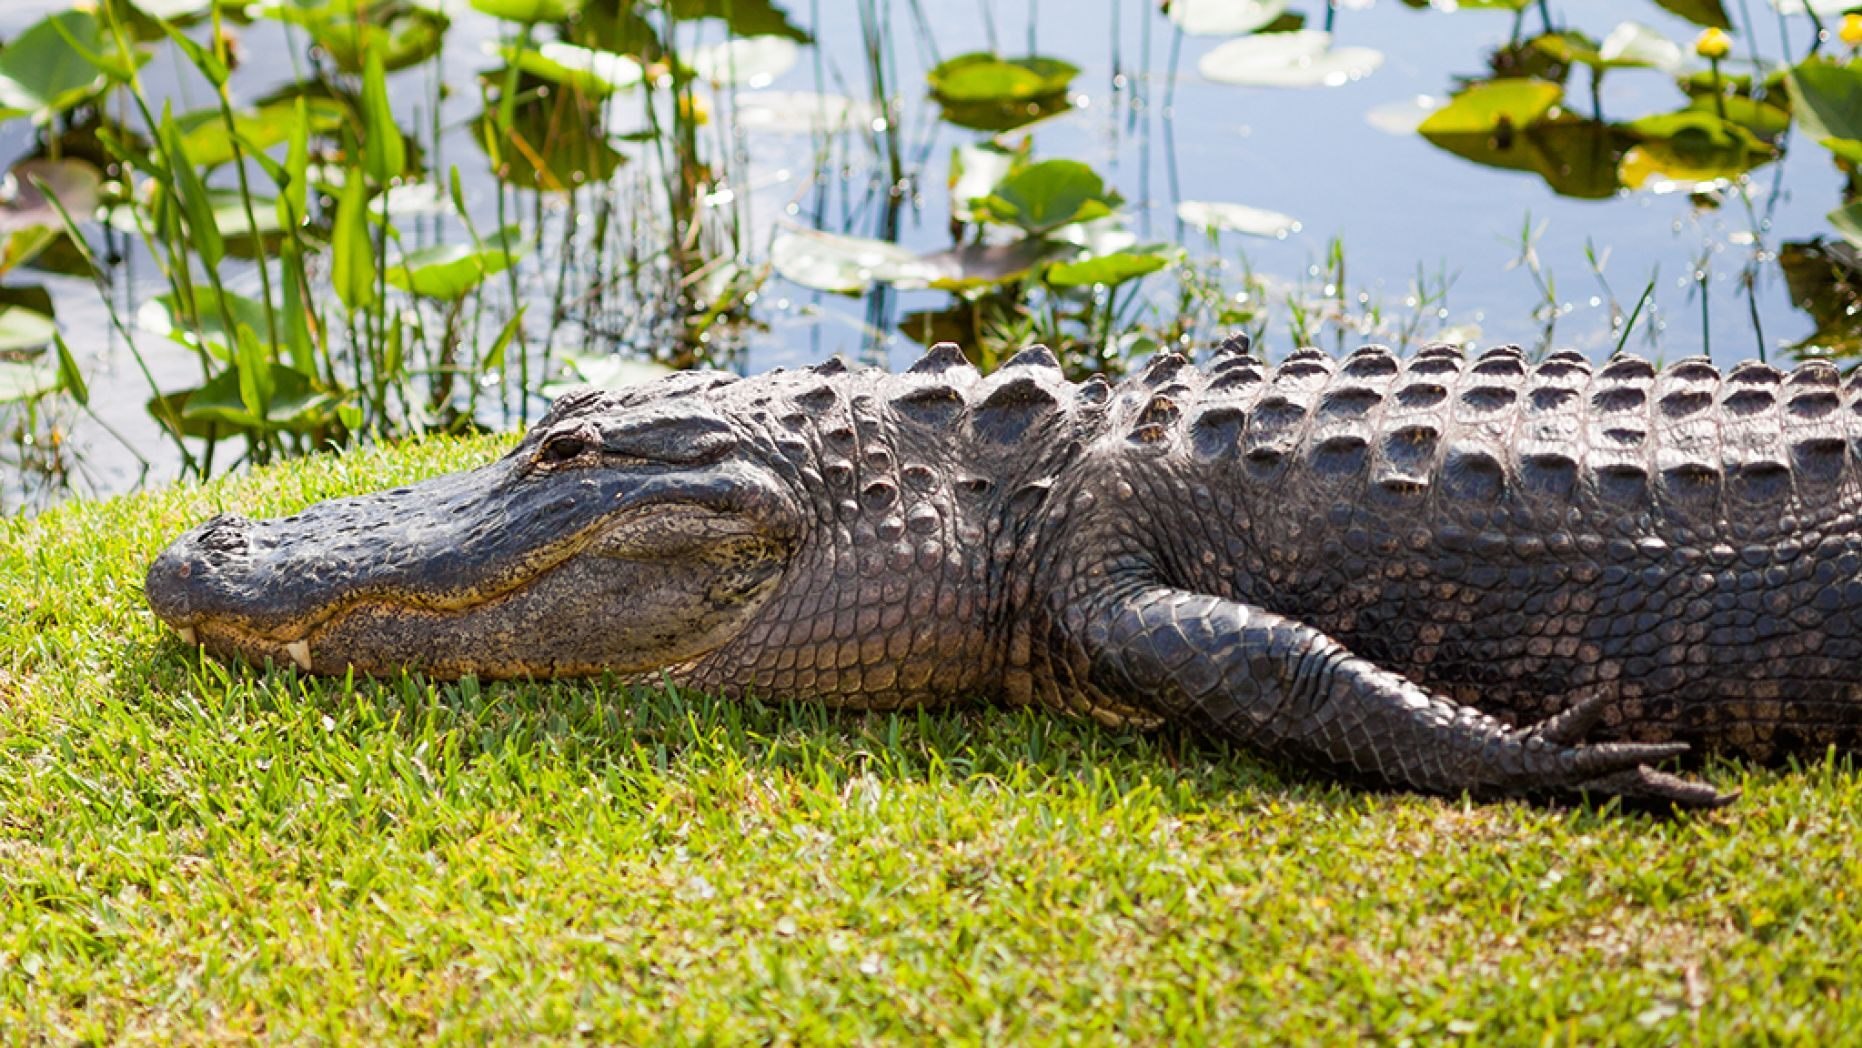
x,y
189,577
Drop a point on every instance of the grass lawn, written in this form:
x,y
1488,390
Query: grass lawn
x,y
200,852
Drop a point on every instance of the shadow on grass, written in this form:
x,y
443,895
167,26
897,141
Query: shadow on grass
x,y
602,725
599,724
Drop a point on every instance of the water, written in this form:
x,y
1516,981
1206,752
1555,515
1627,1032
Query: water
x,y
1502,257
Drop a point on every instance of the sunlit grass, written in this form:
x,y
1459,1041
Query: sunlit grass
x,y
200,852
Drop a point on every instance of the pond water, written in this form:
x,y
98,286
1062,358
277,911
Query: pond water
x,y
729,217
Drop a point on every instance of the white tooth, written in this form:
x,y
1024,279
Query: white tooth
x,y
188,636
299,650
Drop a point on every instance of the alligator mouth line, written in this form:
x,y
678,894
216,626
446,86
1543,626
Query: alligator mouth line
x,y
295,638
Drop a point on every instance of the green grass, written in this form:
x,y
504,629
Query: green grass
x,y
199,852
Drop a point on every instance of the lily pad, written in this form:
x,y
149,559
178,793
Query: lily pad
x,y
604,371
43,74
23,329
1689,151
1101,236
1576,157
983,77
1044,196
986,93
528,10
1224,17
597,74
448,271
400,33
845,264
1237,218
1107,270
162,316
751,62
1494,105
1305,58
1629,45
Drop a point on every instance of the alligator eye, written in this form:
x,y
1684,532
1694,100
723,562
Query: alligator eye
x,y
563,447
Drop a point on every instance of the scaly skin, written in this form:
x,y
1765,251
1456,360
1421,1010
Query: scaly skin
x,y
1448,575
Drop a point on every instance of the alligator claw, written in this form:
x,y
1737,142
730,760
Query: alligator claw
x,y
1611,769
1646,789
1570,726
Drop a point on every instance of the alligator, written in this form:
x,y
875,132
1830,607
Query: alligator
x,y
1484,576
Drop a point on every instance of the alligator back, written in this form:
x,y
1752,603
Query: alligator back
x,y
1679,542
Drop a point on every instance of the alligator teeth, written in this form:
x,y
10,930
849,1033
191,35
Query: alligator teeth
x,y
188,636
299,650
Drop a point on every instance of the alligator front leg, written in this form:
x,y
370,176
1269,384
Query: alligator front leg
x,y
1287,690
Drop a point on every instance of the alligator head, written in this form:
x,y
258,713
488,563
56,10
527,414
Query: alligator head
x,y
622,535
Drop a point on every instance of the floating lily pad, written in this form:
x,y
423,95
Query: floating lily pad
x,y
751,62
1629,45
528,10
987,93
1763,119
401,34
1237,218
1101,236
162,316
845,264
982,77
180,10
1224,17
1305,58
594,73
1576,157
604,371
43,74
1044,196
1108,270
1494,105
448,271
22,329
228,211
1689,151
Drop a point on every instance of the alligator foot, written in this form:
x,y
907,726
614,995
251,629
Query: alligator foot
x,y
1288,690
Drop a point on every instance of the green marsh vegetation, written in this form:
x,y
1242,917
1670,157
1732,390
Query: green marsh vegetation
x,y
236,232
